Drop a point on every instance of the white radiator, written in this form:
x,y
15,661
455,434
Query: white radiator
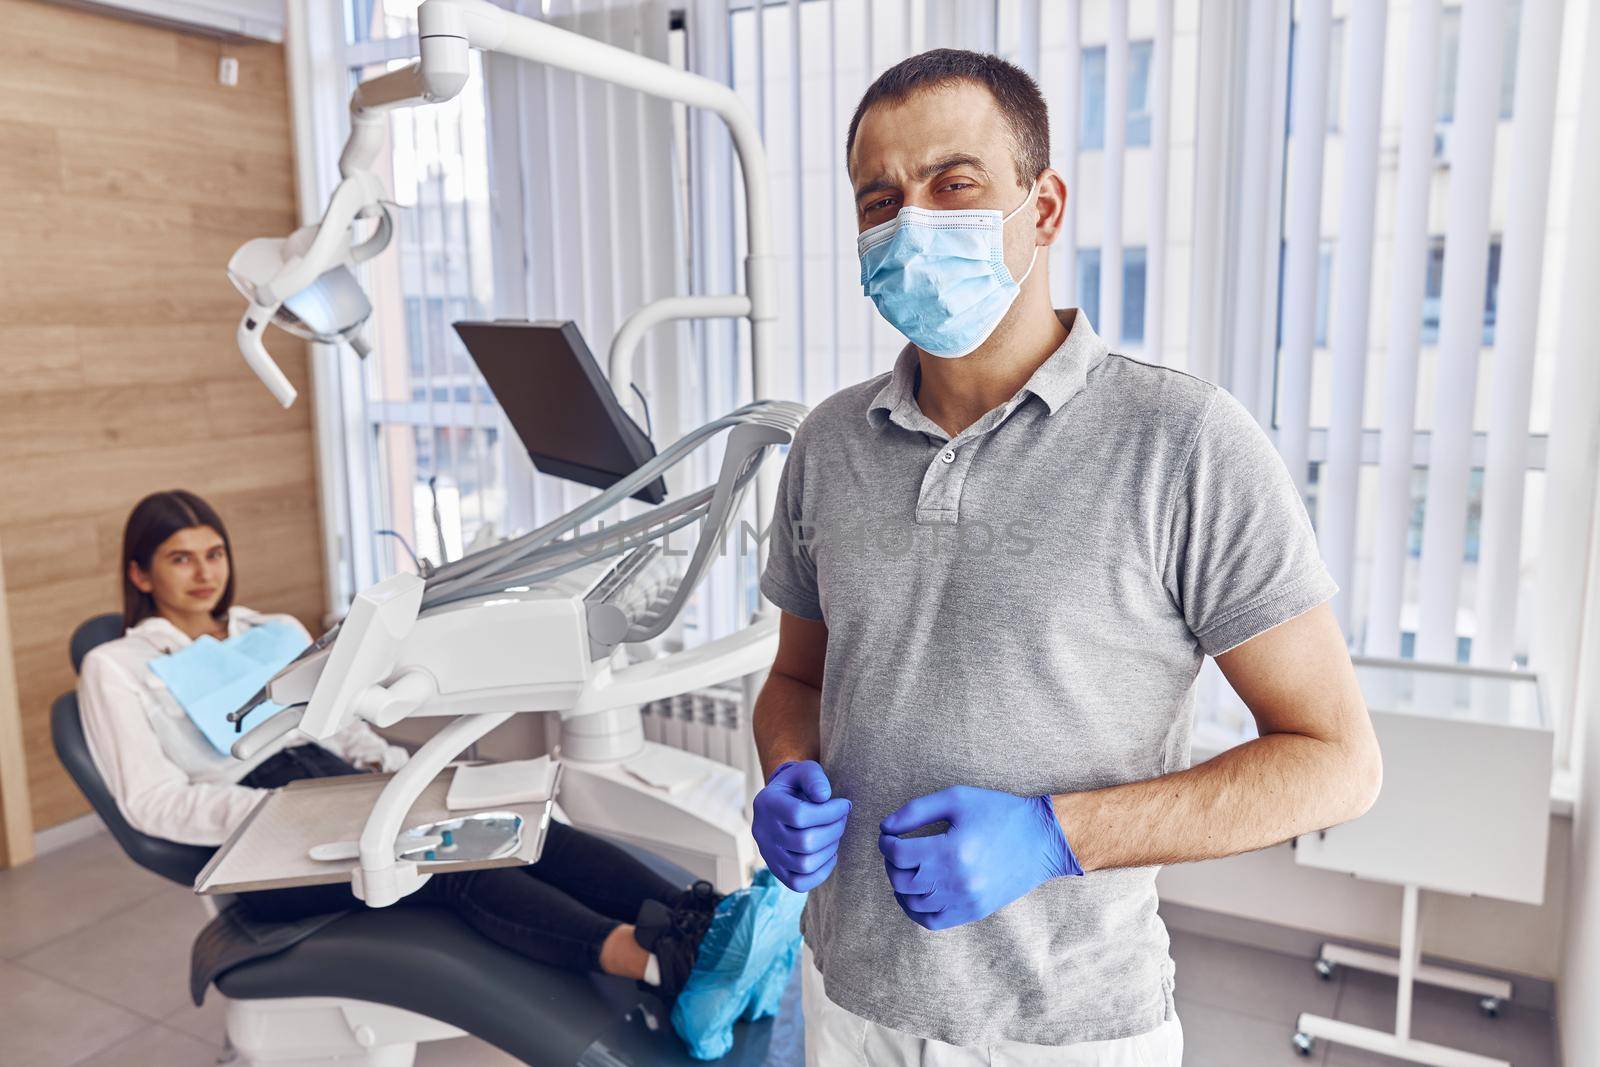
x,y
708,722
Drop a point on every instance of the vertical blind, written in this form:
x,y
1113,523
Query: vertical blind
x,y
1298,200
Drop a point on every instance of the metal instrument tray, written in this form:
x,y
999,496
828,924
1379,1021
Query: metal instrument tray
x,y
270,849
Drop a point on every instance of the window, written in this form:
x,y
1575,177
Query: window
x,y
1419,497
1092,128
1089,281
1302,428
433,425
1449,60
1133,268
1139,53
1408,648
1491,296
1133,282
416,331
1335,73
1432,294
1092,92
427,319
1324,291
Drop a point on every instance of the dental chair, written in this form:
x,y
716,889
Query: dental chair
x,y
364,989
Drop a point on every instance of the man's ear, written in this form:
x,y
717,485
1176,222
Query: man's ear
x,y
137,576
1052,197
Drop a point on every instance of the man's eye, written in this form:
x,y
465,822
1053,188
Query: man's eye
x,y
880,203
960,185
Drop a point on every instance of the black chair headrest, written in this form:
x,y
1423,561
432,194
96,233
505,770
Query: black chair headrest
x,y
180,863
96,631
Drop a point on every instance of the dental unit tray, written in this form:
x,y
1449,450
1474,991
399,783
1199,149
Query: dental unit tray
x,y
271,847
549,621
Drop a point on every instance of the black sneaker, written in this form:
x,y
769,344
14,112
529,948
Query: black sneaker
x,y
673,935
700,897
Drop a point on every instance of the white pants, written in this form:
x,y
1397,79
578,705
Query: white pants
x,y
839,1038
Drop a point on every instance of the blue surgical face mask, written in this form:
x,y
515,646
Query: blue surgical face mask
x,y
940,277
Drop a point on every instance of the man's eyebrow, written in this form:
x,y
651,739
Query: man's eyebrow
x,y
960,159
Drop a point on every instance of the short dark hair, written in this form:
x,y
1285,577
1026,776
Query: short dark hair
x,y
1014,91
153,520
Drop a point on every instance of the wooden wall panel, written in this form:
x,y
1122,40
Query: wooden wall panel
x,y
130,176
16,807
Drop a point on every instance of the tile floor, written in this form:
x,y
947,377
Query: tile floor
x,y
94,962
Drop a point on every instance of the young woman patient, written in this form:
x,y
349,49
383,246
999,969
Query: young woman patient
x,y
586,904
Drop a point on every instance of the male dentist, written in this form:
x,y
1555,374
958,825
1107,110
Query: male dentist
x,y
1000,567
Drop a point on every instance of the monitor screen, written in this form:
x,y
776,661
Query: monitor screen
x,y
560,403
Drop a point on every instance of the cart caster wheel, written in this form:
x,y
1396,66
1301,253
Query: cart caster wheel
x,y
1303,1043
1325,969
1490,1007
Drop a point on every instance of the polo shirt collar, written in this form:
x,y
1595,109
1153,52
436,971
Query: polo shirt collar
x,y
1055,381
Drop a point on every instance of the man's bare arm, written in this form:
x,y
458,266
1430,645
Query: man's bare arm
x,y
788,711
1315,764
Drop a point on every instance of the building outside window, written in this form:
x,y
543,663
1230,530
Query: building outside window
x,y
1089,281
1335,73
1092,119
1133,277
1324,291
1133,286
1450,51
1435,287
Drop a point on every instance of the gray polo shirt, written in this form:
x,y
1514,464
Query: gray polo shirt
x,y
1023,607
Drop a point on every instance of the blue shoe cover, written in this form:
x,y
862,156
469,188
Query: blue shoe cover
x,y
767,997
752,931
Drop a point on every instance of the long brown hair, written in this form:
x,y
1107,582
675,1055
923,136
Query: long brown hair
x,y
153,520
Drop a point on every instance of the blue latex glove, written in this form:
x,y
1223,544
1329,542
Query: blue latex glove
x,y
998,847
797,826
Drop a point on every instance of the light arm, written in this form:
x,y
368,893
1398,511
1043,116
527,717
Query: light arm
x,y
447,28
447,31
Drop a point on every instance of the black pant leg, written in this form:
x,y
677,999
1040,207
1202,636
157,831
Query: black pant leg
x,y
296,762
504,904
528,916
297,902
601,875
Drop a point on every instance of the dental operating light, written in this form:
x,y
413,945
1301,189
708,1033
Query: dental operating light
x,y
305,282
